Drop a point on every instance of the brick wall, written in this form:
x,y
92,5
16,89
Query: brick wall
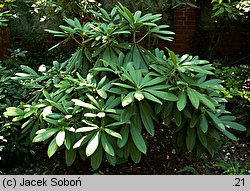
x,y
4,41
184,28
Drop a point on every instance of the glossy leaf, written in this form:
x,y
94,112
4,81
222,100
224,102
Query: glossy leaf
x,y
203,123
106,145
191,139
235,126
134,153
52,148
146,119
13,111
113,133
193,97
139,96
82,141
128,99
138,139
230,135
93,144
151,97
163,95
217,122
45,134
193,121
84,104
125,134
182,100
206,101
177,117
202,137
96,158
70,156
60,138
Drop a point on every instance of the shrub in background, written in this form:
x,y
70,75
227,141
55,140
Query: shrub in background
x,y
101,102
235,79
13,147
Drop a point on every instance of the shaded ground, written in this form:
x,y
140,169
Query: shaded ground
x,y
161,159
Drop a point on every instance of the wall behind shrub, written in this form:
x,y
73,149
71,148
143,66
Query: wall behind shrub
x,y
194,30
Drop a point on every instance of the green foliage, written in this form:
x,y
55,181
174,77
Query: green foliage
x,y
190,3
235,80
105,99
188,169
7,4
12,144
4,18
232,168
56,10
231,10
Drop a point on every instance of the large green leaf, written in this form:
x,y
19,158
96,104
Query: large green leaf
x,y
13,111
151,97
134,152
115,124
227,118
146,118
86,129
191,139
177,117
93,144
52,148
70,156
203,123
68,140
128,99
113,133
139,96
96,158
163,95
173,57
111,159
137,138
168,108
198,69
123,85
235,125
182,100
193,97
52,121
67,29
84,104
202,136
136,75
35,126
230,135
216,121
60,138
213,84
154,82
29,70
82,141
206,101
193,121
57,105
112,102
106,145
44,134
125,134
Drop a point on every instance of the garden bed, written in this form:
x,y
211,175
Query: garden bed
x,y
161,159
